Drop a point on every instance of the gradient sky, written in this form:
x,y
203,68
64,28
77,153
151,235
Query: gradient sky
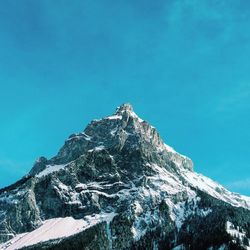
x,y
184,66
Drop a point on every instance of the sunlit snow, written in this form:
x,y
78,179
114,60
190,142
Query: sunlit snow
x,y
55,229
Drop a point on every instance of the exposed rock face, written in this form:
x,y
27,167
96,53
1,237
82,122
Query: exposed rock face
x,y
132,190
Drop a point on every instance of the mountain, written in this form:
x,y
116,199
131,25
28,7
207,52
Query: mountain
x,y
118,186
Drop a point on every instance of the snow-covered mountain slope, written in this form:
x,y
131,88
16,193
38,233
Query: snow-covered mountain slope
x,y
116,185
56,228
215,189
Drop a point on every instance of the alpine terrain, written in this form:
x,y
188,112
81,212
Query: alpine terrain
x,y
117,186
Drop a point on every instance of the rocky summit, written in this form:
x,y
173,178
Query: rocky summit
x,y
116,185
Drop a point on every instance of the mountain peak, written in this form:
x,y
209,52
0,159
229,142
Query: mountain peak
x,y
120,132
124,107
124,113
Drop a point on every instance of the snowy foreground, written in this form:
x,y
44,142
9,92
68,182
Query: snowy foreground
x,y
55,229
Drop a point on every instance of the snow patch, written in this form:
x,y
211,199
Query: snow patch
x,y
180,211
134,115
98,148
113,131
80,136
51,169
138,208
147,221
114,117
163,180
169,149
81,186
238,233
55,229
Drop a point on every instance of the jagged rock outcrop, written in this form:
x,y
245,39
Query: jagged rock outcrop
x,y
118,186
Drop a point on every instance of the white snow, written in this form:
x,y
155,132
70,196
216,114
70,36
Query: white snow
x,y
183,209
81,186
179,212
63,186
51,229
134,115
214,189
98,148
140,226
51,169
55,229
169,149
163,180
87,137
235,232
114,117
80,136
13,197
113,131
119,117
138,208
145,222
99,193
205,212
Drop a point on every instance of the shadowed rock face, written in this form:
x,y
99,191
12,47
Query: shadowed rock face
x,y
119,165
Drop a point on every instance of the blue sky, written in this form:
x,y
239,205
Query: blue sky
x,y
184,65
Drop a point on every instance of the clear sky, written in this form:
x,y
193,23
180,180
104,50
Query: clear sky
x,y
183,64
